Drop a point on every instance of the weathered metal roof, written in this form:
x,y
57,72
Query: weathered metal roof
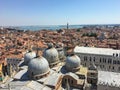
x,y
52,80
21,75
26,85
37,86
73,62
51,55
28,56
38,66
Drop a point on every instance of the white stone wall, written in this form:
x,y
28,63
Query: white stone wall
x,y
105,66
105,87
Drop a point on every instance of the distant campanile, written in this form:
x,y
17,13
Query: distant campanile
x,y
67,25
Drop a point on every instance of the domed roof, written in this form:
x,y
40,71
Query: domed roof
x,y
72,62
51,54
38,66
28,56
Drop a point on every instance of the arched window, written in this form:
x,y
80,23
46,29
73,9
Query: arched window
x,y
110,60
113,67
85,58
90,59
94,59
71,81
116,54
65,80
100,59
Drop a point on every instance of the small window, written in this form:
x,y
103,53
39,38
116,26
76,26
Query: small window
x,y
90,59
85,58
110,60
113,67
71,81
94,59
113,54
100,59
116,55
105,60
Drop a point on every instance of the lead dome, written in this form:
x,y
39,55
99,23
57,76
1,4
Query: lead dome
x,y
51,54
38,68
73,63
28,56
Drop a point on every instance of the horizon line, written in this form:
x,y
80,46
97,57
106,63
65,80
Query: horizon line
x,y
55,25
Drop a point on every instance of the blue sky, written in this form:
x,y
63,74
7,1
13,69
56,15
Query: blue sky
x,y
59,12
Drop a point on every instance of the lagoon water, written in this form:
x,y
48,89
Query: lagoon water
x,y
57,27
47,27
